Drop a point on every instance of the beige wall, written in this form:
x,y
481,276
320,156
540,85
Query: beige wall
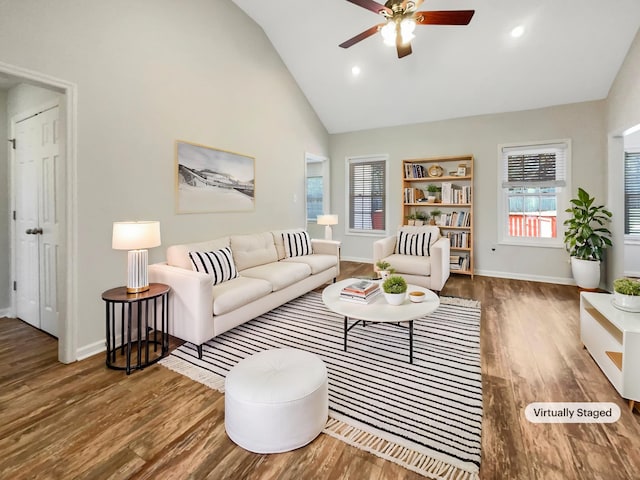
x,y
150,72
480,136
623,112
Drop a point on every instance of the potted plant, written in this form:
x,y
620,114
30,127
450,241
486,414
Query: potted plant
x,y
586,238
411,219
421,218
384,268
626,293
395,289
435,216
432,193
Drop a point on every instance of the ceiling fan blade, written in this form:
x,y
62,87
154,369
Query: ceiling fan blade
x,y
375,7
444,17
361,36
403,50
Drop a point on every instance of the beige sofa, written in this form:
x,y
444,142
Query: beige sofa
x,y
267,278
427,265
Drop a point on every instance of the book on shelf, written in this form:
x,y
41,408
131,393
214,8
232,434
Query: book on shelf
x,y
414,170
455,193
456,219
459,239
459,262
413,195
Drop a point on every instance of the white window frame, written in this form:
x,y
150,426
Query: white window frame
x,y
325,167
563,197
630,238
365,159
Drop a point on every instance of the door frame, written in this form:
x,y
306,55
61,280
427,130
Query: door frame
x,y
68,300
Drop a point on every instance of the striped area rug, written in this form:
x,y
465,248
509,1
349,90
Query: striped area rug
x,y
426,416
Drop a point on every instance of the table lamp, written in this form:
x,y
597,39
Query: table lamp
x,y
328,220
136,237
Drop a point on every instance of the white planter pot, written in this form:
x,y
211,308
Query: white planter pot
x,y
629,303
586,273
395,298
384,274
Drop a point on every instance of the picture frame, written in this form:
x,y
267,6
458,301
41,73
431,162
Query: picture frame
x,y
462,171
210,180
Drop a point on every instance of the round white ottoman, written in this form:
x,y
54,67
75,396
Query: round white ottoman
x,y
276,400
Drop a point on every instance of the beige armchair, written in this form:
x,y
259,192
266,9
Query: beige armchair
x,y
419,254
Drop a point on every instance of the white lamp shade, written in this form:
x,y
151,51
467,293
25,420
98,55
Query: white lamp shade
x,y
327,219
135,235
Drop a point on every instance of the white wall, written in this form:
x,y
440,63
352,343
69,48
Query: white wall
x,y
5,274
480,136
623,112
150,72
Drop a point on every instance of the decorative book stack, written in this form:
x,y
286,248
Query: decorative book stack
x,y
361,291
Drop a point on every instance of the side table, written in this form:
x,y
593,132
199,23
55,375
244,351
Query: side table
x,y
141,310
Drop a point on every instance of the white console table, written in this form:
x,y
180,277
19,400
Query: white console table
x,y
612,337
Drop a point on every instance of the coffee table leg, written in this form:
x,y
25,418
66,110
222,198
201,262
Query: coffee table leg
x,y
410,341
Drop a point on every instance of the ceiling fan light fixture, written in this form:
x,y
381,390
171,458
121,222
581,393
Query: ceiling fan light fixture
x,y
407,26
388,33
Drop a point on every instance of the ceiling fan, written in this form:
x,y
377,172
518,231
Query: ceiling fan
x,y
401,18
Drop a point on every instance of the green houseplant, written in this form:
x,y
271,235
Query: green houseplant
x,y
395,289
384,268
421,217
435,214
432,193
626,293
585,238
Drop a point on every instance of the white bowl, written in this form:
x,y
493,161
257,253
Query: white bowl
x,y
417,296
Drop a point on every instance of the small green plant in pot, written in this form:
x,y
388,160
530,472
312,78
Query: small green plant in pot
x,y
384,268
435,215
585,238
626,293
421,217
395,289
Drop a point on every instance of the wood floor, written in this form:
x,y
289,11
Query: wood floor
x,y
83,421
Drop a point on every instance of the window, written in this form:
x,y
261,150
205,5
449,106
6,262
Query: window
x,y
317,186
367,177
632,192
534,192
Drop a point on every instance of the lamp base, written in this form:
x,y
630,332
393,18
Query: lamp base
x,y
137,278
328,232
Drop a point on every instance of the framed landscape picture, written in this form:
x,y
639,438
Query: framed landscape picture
x,y
212,180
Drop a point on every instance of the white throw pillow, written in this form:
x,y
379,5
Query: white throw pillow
x,y
296,244
418,244
219,264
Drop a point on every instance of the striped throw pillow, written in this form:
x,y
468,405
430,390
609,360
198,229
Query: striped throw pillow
x,y
418,244
219,264
296,244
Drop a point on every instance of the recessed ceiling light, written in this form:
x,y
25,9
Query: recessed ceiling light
x,y
355,70
518,31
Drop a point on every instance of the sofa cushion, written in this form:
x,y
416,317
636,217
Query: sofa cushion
x,y
253,250
296,244
178,255
236,293
410,264
432,229
414,244
317,262
279,241
279,274
219,264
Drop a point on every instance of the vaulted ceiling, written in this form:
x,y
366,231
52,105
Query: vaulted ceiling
x,y
570,51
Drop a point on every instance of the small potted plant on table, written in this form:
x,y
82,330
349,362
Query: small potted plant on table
x,y
384,269
626,293
395,289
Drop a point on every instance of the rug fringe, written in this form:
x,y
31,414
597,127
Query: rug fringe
x,y
464,302
200,375
415,461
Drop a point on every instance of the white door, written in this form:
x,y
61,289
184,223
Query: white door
x,y
36,169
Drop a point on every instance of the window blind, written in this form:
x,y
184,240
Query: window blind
x,y
367,196
632,193
537,165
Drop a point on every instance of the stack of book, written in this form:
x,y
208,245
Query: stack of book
x,y
459,262
361,291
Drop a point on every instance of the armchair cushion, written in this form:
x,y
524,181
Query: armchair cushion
x,y
410,264
417,244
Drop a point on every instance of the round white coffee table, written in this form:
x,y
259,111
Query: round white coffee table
x,y
378,310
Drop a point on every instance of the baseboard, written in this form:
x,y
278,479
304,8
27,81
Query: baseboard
x,y
90,350
6,312
524,276
356,259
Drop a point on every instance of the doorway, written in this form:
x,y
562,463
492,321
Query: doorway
x,y
66,190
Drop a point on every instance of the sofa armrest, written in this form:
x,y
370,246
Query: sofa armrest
x,y
440,253
383,248
327,247
191,301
